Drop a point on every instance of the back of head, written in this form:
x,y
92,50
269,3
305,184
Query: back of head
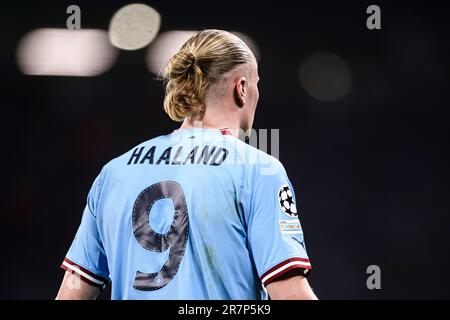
x,y
200,63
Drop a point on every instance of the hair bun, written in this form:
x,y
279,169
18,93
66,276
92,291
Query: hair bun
x,y
189,57
181,63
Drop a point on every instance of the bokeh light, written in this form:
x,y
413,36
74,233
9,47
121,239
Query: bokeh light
x,y
62,52
325,76
134,26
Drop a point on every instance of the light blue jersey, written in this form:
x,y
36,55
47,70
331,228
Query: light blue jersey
x,y
195,214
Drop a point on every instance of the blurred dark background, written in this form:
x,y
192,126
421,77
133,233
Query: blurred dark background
x,y
370,168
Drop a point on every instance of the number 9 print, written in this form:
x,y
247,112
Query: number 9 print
x,y
175,239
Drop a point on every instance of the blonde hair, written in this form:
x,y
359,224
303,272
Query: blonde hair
x,y
201,61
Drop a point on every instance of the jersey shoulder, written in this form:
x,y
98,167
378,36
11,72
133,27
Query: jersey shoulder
x,y
256,158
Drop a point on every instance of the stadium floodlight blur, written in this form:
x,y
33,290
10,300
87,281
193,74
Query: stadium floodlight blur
x,y
134,26
325,76
62,52
168,43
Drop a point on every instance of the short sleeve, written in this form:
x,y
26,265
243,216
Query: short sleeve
x,y
274,231
86,256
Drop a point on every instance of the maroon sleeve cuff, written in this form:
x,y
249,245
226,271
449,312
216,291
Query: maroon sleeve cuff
x,y
85,275
303,265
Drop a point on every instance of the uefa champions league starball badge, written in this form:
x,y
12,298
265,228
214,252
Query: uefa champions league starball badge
x,y
286,200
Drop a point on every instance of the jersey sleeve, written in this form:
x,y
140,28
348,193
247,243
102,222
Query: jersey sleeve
x,y
274,231
86,256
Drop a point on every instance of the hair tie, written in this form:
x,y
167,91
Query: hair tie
x,y
192,58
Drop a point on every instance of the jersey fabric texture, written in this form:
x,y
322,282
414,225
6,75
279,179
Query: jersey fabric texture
x,y
195,214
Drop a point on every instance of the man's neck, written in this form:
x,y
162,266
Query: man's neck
x,y
188,124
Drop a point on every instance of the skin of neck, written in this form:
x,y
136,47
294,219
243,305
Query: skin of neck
x,y
223,114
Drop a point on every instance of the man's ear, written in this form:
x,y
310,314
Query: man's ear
x,y
240,92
